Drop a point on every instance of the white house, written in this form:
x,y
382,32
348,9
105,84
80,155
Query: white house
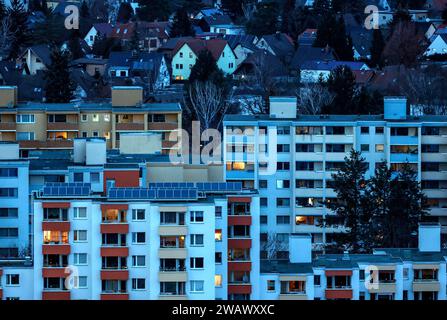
x,y
438,46
97,29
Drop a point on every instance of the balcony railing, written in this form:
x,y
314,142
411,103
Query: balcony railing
x,y
173,269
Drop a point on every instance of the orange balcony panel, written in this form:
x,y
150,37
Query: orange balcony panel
x,y
338,294
239,199
239,289
239,243
57,205
331,273
239,220
239,266
114,296
114,252
163,126
115,228
56,249
114,275
63,126
55,226
54,273
129,126
56,295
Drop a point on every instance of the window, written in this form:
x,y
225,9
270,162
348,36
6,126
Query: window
x,y
78,177
79,213
283,148
218,280
218,257
283,202
94,177
283,166
138,237
380,148
405,272
282,219
317,280
95,134
430,131
282,184
138,261
106,117
8,172
196,263
138,214
364,147
138,284
196,216
197,240
218,235
80,259
82,282
335,148
283,130
24,136
25,118
335,130
263,184
84,117
9,232
263,219
304,147
362,274
271,285
84,134
263,202
80,235
12,279
197,285
430,148
218,212
9,212
95,117
181,54
8,192
379,130
304,166
231,65
364,130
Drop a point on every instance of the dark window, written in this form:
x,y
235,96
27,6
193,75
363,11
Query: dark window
x,y
78,177
364,130
263,184
300,147
8,172
335,130
317,280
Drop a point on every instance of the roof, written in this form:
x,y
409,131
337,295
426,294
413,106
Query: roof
x,y
331,65
123,31
60,8
349,261
158,29
215,46
246,40
361,40
285,267
280,43
218,19
363,76
43,51
103,28
413,254
308,36
309,53
266,61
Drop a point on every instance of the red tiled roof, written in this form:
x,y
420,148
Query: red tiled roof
x,y
123,31
215,46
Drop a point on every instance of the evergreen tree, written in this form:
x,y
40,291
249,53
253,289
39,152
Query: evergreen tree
x,y
205,68
2,10
287,14
444,15
125,12
191,5
151,10
234,7
134,44
59,87
74,45
350,185
325,30
181,26
341,42
366,102
264,20
341,83
19,18
378,44
85,11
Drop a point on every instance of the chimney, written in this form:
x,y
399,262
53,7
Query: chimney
x,y
395,108
300,248
429,237
8,96
126,96
283,107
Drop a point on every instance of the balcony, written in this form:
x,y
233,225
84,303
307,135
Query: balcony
x,y
293,296
114,274
384,287
115,296
56,248
114,227
56,294
172,276
239,266
162,126
114,251
8,126
63,226
404,140
239,288
129,126
173,296
168,144
434,157
172,230
426,285
242,220
338,293
403,157
172,253
54,272
239,243
46,144
62,126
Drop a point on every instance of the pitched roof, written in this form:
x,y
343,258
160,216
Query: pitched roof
x,y
281,44
246,40
103,28
218,19
309,53
43,51
361,40
308,36
215,46
331,65
159,29
123,31
363,76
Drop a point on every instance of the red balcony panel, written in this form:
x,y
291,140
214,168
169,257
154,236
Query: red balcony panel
x,y
56,249
115,252
54,273
114,275
115,228
239,266
239,289
239,199
1,293
115,206
114,296
56,295
239,243
338,294
239,220
55,226
57,205
331,273
123,178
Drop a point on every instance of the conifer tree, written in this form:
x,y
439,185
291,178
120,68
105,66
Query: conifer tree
x,y
59,87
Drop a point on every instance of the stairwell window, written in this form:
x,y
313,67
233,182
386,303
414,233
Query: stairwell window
x,y
138,237
25,118
196,263
197,240
197,285
80,213
80,259
80,235
138,284
12,280
196,216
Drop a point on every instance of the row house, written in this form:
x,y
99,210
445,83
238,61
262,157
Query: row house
x,y
55,126
296,155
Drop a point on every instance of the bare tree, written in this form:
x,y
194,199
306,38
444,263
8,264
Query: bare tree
x,y
248,9
252,105
312,98
208,102
272,246
6,34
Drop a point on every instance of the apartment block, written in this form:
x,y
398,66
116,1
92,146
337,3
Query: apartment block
x,y
290,158
55,126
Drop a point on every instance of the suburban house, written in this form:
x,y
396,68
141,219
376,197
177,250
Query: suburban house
x,y
313,71
307,37
98,29
35,58
361,42
186,53
278,44
242,45
123,32
148,68
306,53
438,46
92,66
220,23
152,35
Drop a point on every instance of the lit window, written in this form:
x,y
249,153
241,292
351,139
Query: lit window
x,y
380,147
95,117
270,285
218,235
218,280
